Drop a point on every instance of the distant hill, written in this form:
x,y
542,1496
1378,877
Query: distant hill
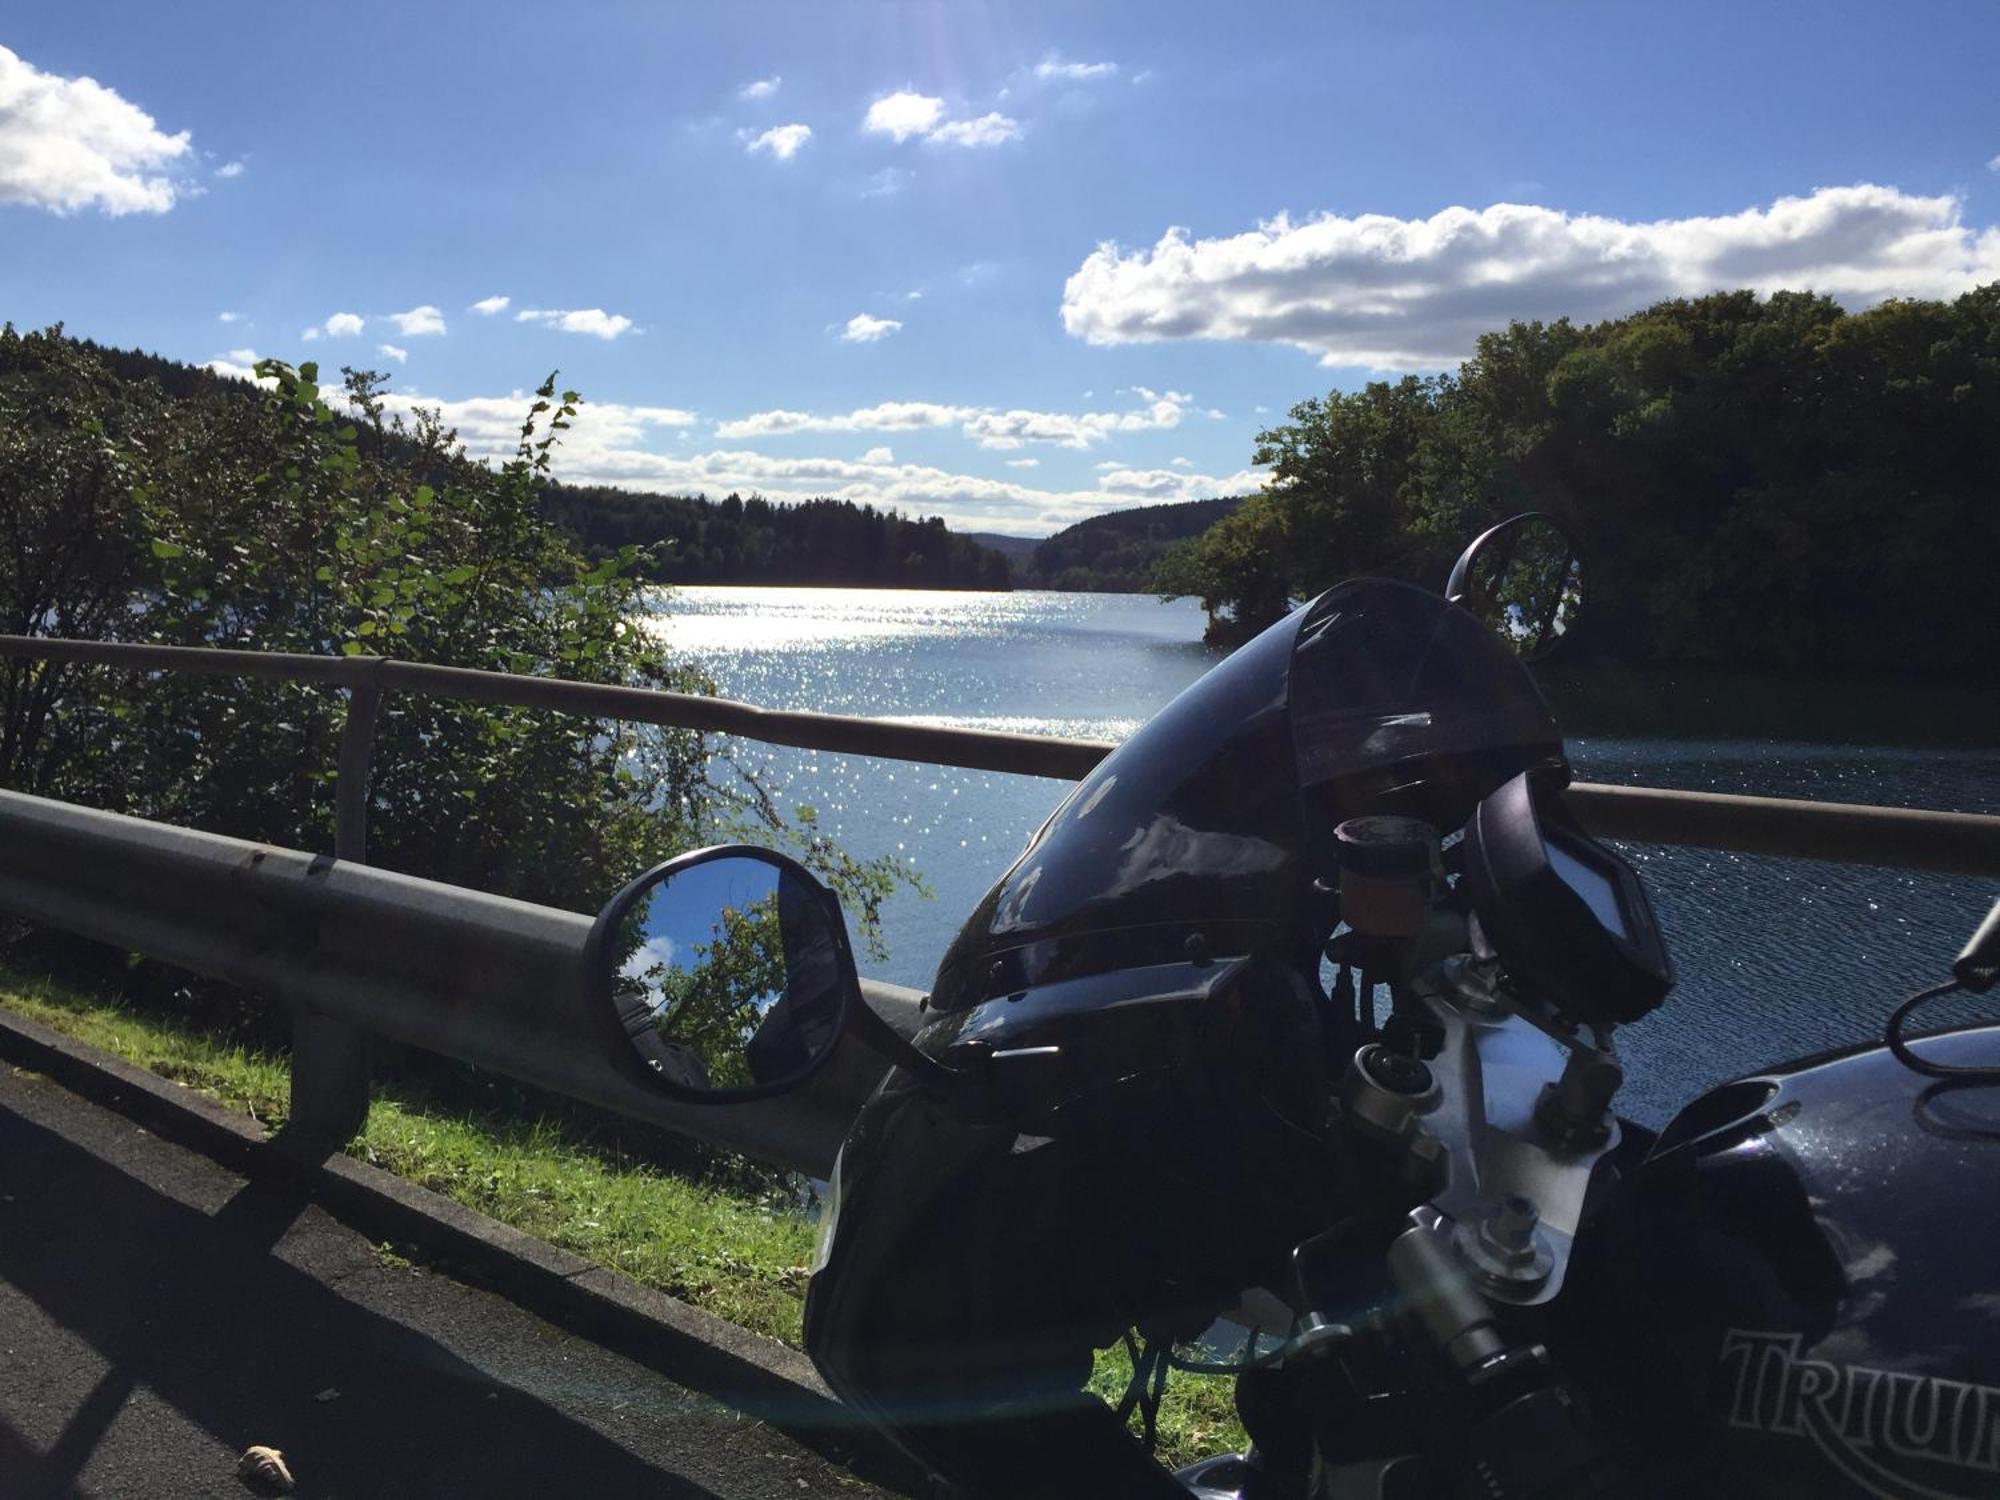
x,y
734,540
1016,549
1114,553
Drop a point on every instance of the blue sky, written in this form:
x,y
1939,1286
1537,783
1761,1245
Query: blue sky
x,y
1010,263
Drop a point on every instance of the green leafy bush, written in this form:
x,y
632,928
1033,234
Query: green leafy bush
x,y
298,518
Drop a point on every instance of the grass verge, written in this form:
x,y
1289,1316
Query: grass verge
x,y
730,1255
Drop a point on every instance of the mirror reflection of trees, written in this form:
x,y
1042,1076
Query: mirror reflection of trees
x,y
713,1000
1526,585
729,975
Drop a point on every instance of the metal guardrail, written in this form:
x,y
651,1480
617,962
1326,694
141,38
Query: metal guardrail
x,y
498,983
1850,833
495,982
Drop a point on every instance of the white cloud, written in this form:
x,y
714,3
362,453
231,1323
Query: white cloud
x,y
229,169
1024,463
1010,429
902,115
1154,486
1053,66
989,427
71,143
987,130
886,183
342,325
763,88
486,307
1181,463
247,358
967,501
782,141
863,329
418,321
608,445
400,356
1415,293
888,416
591,320
227,317
490,426
1993,165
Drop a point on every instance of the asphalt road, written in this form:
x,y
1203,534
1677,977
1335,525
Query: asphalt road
x,y
159,1314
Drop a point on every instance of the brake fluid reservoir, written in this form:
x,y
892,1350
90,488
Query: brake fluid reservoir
x,y
1389,869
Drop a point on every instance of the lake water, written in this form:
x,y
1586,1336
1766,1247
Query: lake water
x,y
1775,957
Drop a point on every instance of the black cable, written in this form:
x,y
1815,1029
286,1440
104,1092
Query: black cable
x,y
1892,1034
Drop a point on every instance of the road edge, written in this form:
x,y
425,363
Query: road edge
x,y
753,1374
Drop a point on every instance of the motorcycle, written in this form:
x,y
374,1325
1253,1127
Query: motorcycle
x,y
1297,1019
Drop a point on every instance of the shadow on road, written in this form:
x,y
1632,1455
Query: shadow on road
x,y
198,1310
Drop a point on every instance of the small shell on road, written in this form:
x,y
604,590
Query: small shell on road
x,y
265,1466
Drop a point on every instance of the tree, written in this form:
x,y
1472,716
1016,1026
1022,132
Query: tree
x,y
1236,568
298,519
1757,483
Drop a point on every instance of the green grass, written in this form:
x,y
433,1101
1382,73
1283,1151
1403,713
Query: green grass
x,y
739,1259
729,1254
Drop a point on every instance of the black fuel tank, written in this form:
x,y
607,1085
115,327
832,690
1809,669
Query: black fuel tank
x,y
1818,1249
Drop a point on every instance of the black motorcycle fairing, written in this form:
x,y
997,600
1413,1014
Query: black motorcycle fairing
x,y
1137,1133
1215,818
1189,824
960,1321
1803,1296
990,1238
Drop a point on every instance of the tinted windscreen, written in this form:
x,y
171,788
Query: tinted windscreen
x,y
1217,815
1402,702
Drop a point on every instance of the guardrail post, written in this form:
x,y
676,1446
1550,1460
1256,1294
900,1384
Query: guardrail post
x,y
331,1058
357,752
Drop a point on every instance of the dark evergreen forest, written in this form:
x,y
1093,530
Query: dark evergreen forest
x,y
733,540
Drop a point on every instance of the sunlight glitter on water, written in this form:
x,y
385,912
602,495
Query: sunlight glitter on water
x,y
738,618
1093,666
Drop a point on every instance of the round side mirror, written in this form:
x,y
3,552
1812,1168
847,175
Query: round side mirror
x,y
726,972
1521,578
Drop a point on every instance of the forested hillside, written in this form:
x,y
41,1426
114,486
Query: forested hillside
x,y
686,539
734,540
1760,483
1116,552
